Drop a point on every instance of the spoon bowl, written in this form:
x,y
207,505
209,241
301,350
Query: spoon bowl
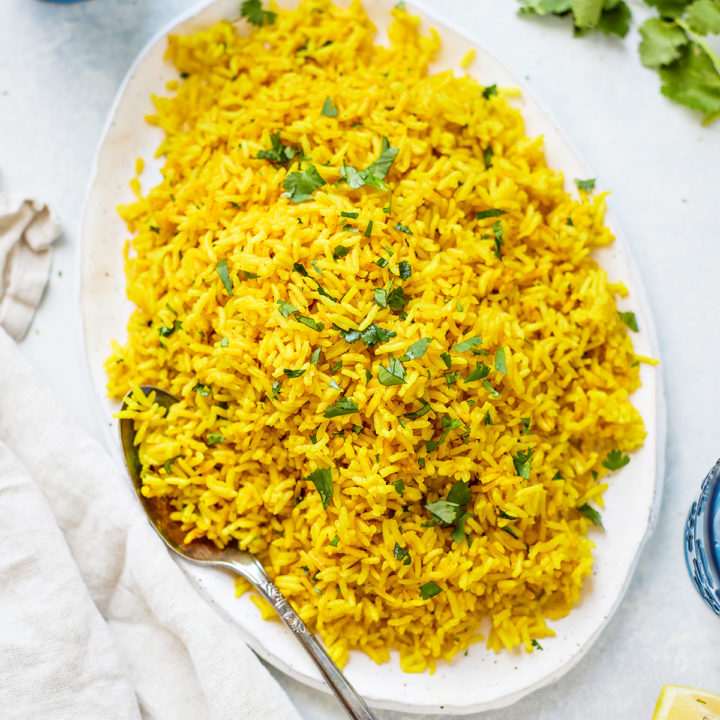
x,y
204,552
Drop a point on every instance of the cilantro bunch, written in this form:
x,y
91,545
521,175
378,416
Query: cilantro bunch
x,y
674,42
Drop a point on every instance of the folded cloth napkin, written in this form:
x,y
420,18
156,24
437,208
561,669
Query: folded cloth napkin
x,y
27,230
96,620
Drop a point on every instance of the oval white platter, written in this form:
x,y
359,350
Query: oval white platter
x,y
480,680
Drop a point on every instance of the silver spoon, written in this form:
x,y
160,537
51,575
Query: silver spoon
x,y
245,564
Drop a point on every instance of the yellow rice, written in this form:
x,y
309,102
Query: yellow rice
x,y
570,366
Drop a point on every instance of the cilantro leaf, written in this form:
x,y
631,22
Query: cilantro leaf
x,y
536,644
423,410
447,359
340,251
249,275
312,324
252,11
165,331
394,374
444,512
498,231
522,462
402,555
466,345
278,153
374,174
586,185
615,460
669,8
488,419
201,389
380,297
286,309
334,542
458,534
329,109
491,213
404,269
315,357
481,370
295,373
661,42
403,229
493,392
429,589
399,486
368,229
630,320
591,514
703,16
615,20
396,300
379,168
342,406
222,271
372,335
301,185
460,493
322,480
500,365
214,439
167,465
489,91
546,7
586,13
417,349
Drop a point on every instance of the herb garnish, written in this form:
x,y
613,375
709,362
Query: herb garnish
x,y
630,320
489,91
222,271
342,406
315,356
380,297
403,229
368,229
536,644
374,174
491,213
452,510
497,229
429,589
448,424
295,373
312,324
493,392
329,109
522,462
167,465
301,185
402,555
252,11
399,486
335,541
591,514
340,251
372,335
586,185
500,365
417,349
286,309
165,331
423,410
394,374
279,153
481,370
201,389
322,480
404,269
468,344
214,439
615,460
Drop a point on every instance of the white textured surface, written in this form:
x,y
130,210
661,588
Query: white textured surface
x,y
59,69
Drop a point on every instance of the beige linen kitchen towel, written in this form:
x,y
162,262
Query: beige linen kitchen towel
x,y
27,231
96,620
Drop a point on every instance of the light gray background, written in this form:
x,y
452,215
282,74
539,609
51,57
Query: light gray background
x,y
60,67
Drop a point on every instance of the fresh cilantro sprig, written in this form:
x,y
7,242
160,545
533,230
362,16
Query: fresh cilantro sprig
x,y
322,480
252,11
674,43
374,174
452,510
301,185
279,153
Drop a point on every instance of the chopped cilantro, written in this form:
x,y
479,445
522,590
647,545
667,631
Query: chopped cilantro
x,y
488,153
404,269
275,388
381,262
357,429
252,11
223,342
526,425
315,356
336,366
294,373
286,309
300,268
522,462
429,589
334,385
329,109
201,389
278,153
630,320
421,462
615,460
488,419
342,406
448,424
500,365
368,229
458,534
466,345
451,377
402,555
536,644
493,392
509,531
446,359
396,300
489,91
394,374
586,185
214,439
166,331
351,215
301,185
167,465
497,229
417,349
380,297
322,480
222,271
340,251
374,174
312,324
399,486
481,370
423,410
403,229
591,514
505,516
335,541
249,275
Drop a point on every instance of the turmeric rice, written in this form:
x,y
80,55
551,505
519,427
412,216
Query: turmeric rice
x,y
402,376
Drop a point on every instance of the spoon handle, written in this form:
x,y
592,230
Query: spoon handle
x,y
350,700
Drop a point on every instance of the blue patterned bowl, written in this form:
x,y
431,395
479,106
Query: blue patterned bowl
x,y
702,540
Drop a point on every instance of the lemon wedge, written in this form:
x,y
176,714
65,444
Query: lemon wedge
x,y
686,703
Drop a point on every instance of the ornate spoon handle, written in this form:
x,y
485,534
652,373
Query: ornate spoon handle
x,y
352,702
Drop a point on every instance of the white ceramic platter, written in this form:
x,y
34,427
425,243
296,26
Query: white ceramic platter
x,y
481,680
